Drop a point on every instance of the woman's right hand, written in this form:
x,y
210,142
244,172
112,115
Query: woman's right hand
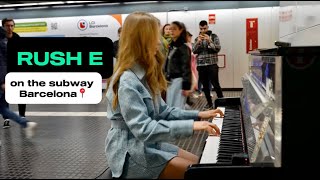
x,y
210,113
211,128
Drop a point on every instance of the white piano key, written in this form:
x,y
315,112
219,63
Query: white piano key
x,y
210,151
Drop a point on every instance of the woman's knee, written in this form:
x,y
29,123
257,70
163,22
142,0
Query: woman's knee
x,y
188,156
175,168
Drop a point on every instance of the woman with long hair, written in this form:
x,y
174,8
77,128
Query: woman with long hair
x,y
141,122
178,67
166,38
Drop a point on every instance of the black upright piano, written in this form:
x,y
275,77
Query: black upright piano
x,y
266,131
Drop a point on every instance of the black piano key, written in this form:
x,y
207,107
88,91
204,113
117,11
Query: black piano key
x,y
224,159
229,156
230,135
235,144
239,146
230,132
231,139
229,145
230,150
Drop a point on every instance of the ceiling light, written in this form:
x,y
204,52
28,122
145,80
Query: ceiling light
x,y
140,2
17,5
68,6
7,9
50,3
40,7
103,4
72,2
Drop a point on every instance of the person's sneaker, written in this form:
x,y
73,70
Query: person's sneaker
x,y
6,124
30,129
195,96
207,107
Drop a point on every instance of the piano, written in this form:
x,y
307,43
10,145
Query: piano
x,y
254,133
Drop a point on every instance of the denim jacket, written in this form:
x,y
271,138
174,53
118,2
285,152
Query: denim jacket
x,y
140,124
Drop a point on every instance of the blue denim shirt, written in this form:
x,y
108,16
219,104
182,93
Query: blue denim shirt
x,y
140,124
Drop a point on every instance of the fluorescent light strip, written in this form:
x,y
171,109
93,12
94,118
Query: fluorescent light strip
x,y
51,3
47,3
68,6
41,7
103,4
140,2
8,9
72,2
32,4
17,5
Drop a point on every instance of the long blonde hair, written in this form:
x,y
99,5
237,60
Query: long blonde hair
x,y
137,45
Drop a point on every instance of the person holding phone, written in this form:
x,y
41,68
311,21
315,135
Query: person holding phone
x,y
207,46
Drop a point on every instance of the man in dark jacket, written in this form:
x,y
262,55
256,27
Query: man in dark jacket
x,y
4,110
207,46
8,25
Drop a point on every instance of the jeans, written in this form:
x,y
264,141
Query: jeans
x,y
175,98
21,108
5,112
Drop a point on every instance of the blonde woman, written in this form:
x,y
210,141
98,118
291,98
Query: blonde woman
x,y
141,123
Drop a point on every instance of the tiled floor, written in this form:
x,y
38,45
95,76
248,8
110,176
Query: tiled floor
x,y
69,142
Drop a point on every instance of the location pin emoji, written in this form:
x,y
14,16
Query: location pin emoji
x,y
82,91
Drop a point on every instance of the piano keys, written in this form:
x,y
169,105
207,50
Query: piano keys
x,y
221,149
210,151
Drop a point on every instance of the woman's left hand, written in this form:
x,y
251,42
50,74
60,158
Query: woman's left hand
x,y
210,114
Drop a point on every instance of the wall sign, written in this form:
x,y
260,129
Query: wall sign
x,y
252,34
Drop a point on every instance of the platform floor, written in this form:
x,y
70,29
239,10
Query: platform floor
x,y
69,142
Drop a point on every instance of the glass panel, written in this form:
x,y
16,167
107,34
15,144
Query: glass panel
x,y
261,103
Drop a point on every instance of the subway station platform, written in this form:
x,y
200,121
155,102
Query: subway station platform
x,y
69,142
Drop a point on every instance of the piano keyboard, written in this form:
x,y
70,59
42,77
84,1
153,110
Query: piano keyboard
x,y
220,149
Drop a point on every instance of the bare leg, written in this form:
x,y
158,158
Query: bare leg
x,y
177,166
188,156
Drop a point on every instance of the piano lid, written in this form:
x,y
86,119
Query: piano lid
x,y
284,51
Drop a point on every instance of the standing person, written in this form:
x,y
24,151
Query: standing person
x,y
116,44
193,63
194,71
4,110
8,25
207,46
166,39
178,67
141,122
